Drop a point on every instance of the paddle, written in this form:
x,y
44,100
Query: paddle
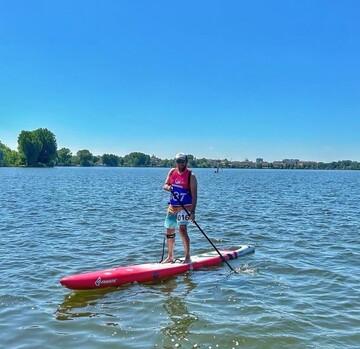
x,y
198,226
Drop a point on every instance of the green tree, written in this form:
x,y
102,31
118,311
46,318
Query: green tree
x,y
136,159
8,157
48,151
110,160
96,160
37,147
64,156
12,158
192,161
154,161
29,147
85,157
3,148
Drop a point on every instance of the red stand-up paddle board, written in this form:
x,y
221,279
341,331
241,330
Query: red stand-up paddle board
x,y
148,272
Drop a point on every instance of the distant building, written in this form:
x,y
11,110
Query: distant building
x,y
278,164
291,161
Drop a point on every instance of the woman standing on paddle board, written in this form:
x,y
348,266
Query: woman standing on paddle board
x,y
182,184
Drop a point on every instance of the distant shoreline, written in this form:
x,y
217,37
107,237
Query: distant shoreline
x,y
334,166
38,148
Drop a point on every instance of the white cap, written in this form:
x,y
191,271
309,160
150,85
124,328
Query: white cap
x,y
181,156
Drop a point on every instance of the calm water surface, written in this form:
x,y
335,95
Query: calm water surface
x,y
301,288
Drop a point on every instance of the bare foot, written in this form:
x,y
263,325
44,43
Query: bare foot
x,y
186,260
167,260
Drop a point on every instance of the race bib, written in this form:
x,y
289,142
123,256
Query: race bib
x,y
182,216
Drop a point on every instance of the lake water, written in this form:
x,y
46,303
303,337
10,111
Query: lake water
x,y
301,288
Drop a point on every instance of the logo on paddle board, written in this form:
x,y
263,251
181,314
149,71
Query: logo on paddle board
x,y
99,282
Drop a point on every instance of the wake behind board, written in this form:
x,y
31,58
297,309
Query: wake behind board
x,y
150,271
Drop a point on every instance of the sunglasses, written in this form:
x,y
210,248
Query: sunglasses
x,y
180,161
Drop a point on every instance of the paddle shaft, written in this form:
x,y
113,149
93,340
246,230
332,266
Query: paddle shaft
x,y
198,226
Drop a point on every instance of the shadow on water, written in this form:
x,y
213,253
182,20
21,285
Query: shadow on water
x,y
75,301
178,313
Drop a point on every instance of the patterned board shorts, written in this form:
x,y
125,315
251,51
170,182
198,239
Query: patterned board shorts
x,y
175,218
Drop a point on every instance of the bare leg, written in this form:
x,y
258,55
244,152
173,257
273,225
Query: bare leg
x,y
170,245
186,242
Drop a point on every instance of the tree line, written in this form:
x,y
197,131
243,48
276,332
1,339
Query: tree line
x,y
38,148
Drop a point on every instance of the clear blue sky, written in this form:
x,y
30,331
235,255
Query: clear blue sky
x,y
216,79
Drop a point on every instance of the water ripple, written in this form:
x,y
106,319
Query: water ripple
x,y
300,289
